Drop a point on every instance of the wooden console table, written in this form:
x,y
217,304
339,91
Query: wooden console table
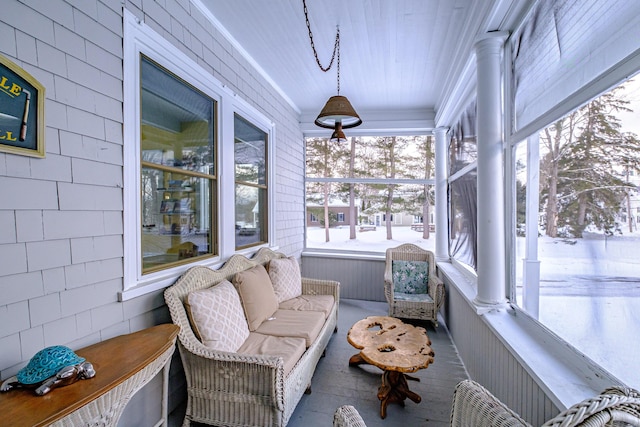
x,y
123,365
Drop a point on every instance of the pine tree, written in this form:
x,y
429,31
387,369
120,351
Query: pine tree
x,y
323,160
587,155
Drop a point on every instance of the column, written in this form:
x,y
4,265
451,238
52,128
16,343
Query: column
x,y
442,172
531,267
491,220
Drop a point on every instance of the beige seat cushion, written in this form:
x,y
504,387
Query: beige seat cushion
x,y
292,323
217,317
285,277
257,296
323,303
289,348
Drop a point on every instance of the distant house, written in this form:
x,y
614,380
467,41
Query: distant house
x,y
339,215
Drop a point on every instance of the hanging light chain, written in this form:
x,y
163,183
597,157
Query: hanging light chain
x,y
336,46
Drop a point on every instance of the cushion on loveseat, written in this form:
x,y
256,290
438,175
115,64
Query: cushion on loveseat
x,y
256,294
323,303
293,323
217,317
285,278
290,349
410,277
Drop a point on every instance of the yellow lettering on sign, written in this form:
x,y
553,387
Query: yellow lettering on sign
x,y
7,136
12,89
15,89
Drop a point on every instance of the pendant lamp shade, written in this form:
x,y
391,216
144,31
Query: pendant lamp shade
x,y
338,109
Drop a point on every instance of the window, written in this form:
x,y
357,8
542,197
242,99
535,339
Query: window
x,y
173,183
377,185
178,177
575,246
250,149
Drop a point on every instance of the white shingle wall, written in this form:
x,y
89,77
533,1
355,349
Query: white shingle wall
x,y
61,242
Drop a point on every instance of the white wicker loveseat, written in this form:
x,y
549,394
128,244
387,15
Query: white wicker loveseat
x,y
257,384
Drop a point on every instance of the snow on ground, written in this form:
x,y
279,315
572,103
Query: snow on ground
x,y
589,289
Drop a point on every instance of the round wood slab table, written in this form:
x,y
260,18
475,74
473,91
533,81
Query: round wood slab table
x,y
395,347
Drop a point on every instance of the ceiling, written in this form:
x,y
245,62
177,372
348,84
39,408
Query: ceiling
x,y
398,57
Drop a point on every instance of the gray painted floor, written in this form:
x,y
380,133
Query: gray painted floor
x,y
335,383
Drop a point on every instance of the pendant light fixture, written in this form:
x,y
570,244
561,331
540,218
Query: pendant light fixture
x,y
337,114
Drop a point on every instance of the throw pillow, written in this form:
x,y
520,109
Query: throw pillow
x,y
410,277
285,277
217,317
257,295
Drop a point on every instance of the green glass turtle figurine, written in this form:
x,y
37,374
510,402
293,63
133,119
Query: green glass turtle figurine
x,y
51,367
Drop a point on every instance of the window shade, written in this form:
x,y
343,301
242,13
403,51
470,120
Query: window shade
x,y
564,45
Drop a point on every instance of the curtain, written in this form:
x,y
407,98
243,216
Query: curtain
x,y
564,45
463,214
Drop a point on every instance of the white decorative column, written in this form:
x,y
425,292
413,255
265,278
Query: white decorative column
x,y
491,221
442,172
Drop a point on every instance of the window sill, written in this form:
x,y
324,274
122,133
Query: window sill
x,y
565,374
374,256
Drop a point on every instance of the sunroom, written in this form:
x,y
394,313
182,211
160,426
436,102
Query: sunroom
x,y
501,135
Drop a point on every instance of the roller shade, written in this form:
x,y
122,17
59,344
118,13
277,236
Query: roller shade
x,y
564,45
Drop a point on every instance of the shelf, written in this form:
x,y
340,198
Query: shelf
x,y
176,190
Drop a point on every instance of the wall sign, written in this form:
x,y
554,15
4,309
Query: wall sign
x,y
21,111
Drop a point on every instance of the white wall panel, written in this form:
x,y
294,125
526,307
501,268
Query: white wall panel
x,y
359,278
490,362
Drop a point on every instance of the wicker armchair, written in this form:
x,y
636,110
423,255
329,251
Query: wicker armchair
x,y
347,416
474,406
414,306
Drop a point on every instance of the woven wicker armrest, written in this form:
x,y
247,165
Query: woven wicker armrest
x,y
614,406
388,274
240,375
436,290
475,406
347,416
321,287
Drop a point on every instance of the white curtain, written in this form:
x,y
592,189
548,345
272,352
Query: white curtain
x,y
564,45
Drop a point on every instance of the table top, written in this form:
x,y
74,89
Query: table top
x,y
114,360
390,344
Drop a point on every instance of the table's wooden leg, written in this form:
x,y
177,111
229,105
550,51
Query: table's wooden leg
x,y
394,389
356,360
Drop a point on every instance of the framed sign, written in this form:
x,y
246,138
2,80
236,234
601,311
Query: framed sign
x,y
21,111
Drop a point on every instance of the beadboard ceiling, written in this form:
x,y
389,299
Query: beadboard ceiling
x,y
398,57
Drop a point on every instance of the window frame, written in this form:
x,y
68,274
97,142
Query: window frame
x,y
139,39
266,186
211,177
427,132
605,81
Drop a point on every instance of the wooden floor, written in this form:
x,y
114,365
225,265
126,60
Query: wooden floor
x,y
335,383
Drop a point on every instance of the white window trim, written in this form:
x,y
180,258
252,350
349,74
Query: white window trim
x,y
139,38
